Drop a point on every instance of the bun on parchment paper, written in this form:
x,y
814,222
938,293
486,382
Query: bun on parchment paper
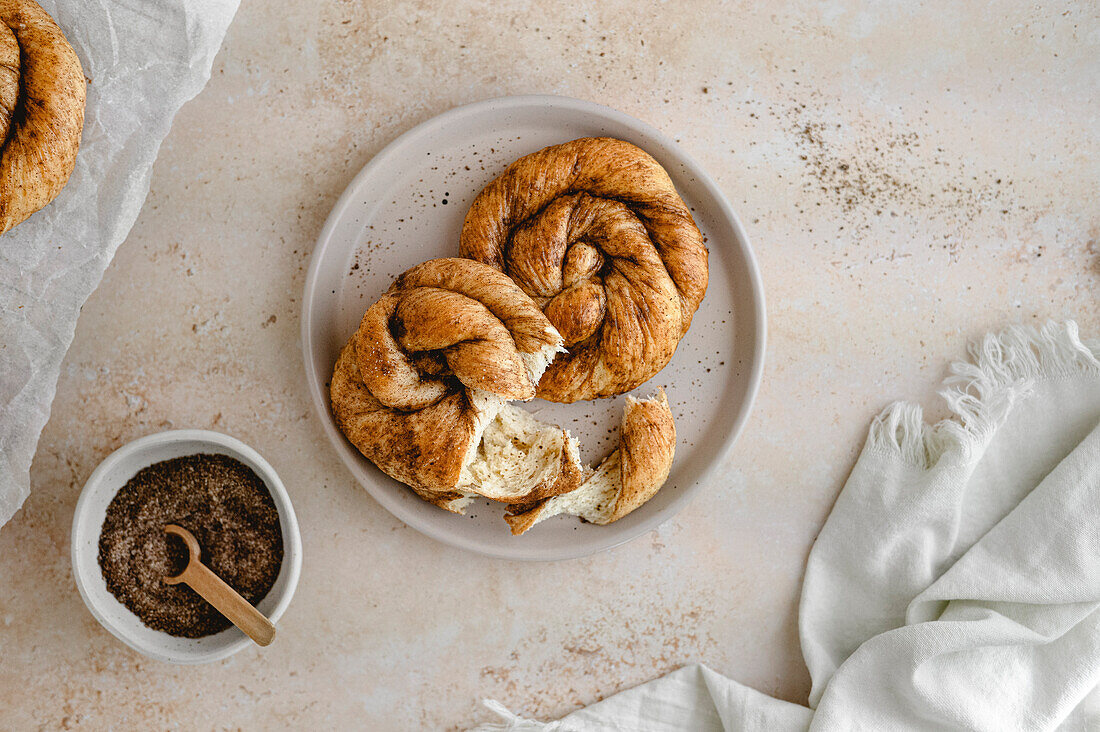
x,y
42,94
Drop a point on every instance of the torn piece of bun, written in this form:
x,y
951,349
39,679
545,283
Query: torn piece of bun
x,y
626,479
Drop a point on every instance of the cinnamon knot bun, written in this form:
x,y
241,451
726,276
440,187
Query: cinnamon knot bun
x,y
594,231
422,388
42,92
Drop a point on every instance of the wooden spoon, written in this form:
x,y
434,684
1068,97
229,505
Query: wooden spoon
x,y
215,591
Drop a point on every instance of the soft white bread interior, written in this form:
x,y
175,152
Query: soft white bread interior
x,y
520,459
626,479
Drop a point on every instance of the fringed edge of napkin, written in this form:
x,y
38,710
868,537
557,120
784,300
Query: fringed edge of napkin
x,y
1003,368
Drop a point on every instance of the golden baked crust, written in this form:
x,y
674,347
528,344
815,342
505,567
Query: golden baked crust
x,y
42,92
647,444
594,231
433,362
421,448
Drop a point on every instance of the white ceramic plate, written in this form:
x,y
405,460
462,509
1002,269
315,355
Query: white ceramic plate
x,y
407,205
91,509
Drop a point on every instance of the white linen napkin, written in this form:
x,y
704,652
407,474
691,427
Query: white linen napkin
x,y
956,583
143,60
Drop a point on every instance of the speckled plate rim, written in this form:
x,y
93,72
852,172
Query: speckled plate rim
x,y
83,524
398,147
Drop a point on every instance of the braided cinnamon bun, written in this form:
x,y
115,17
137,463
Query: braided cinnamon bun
x,y
594,231
422,388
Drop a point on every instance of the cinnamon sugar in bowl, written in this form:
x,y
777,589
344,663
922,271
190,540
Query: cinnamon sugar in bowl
x,y
136,459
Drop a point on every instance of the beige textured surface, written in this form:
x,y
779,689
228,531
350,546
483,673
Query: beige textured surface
x,y
909,178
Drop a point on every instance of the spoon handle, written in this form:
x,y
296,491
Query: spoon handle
x,y
230,604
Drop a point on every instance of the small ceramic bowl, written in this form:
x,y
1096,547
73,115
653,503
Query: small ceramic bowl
x,y
91,509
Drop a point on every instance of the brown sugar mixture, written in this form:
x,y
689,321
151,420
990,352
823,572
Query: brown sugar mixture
x,y
228,509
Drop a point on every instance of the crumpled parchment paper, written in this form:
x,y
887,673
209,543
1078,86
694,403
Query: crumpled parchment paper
x,y
143,60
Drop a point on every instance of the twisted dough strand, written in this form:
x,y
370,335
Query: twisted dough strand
x,y
474,319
